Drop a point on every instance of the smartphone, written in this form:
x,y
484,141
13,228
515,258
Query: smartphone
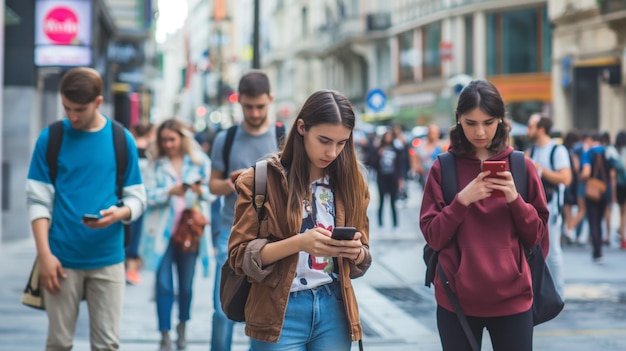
x,y
90,217
343,233
494,167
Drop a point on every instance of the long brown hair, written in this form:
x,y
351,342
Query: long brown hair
x,y
344,173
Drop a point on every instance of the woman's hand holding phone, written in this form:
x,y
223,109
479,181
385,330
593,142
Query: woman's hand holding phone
x,y
492,179
319,242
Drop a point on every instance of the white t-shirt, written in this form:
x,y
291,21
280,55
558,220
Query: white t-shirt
x,y
541,156
316,271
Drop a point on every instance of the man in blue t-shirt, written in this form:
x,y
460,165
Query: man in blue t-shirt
x,y
82,259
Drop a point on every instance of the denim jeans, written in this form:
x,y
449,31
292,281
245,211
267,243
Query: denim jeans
x,y
185,267
315,320
222,331
132,250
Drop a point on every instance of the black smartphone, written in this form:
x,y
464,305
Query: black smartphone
x,y
90,217
343,233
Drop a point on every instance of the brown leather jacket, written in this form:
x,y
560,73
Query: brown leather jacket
x,y
267,301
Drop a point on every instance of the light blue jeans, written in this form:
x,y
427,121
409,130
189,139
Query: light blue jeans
x,y
222,331
186,267
315,320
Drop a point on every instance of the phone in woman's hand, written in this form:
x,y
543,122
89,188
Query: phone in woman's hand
x,y
494,167
343,233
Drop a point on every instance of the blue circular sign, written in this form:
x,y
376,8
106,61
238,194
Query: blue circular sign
x,y
376,100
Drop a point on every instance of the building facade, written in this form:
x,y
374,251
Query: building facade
x,y
588,64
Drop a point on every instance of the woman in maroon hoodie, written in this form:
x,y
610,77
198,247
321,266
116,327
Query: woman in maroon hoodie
x,y
480,238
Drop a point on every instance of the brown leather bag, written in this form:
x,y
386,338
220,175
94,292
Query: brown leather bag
x,y
190,228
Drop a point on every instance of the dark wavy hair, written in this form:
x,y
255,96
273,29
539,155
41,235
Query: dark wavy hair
x,y
346,180
483,95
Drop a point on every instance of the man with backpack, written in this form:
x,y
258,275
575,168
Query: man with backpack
x,y
553,164
234,149
76,170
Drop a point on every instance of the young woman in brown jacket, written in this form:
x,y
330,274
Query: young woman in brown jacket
x,y
301,295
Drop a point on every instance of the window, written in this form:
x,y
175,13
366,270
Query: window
x,y
469,45
431,42
519,42
407,57
305,25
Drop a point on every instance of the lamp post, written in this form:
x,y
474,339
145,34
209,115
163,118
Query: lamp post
x,y
256,57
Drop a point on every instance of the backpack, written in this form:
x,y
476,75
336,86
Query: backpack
x,y
230,138
234,289
55,139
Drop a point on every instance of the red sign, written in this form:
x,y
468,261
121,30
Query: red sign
x,y
61,25
445,51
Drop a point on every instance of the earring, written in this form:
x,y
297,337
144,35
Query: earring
x,y
458,122
500,121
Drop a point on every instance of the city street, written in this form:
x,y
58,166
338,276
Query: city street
x,y
398,311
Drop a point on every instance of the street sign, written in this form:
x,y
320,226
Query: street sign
x,y
376,100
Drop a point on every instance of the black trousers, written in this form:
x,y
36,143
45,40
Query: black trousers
x,y
508,333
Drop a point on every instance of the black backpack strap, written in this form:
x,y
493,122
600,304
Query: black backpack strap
x,y
121,163
121,158
55,138
228,145
260,186
448,176
518,171
552,152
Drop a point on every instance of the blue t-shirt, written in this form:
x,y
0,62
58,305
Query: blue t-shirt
x,y
85,184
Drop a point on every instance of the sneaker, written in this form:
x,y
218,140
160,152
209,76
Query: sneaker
x,y
570,235
132,277
598,260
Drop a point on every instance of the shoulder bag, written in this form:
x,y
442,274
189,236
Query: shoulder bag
x,y
595,187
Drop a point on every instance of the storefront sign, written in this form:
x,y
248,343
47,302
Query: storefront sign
x,y
63,32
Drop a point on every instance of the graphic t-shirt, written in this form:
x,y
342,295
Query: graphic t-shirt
x,y
388,160
315,271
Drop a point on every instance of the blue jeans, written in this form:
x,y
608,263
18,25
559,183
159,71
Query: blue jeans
x,y
132,250
186,267
222,331
315,320
216,222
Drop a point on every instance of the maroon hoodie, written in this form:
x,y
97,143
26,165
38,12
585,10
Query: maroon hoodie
x,y
480,249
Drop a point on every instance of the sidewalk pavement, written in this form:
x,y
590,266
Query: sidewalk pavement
x,y
24,329
389,327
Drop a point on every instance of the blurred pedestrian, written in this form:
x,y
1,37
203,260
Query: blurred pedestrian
x,y
480,238
143,137
175,180
620,180
553,164
595,165
402,145
301,297
78,259
570,196
612,155
573,230
426,153
253,139
389,172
